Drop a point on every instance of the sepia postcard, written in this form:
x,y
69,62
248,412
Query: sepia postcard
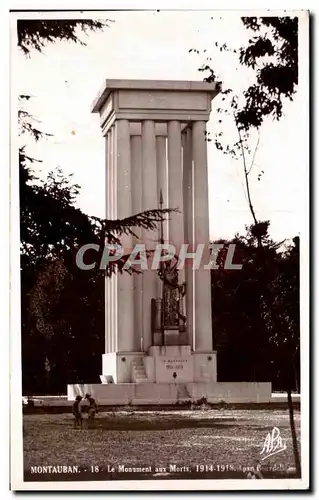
x,y
159,206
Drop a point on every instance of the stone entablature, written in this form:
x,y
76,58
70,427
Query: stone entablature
x,y
162,101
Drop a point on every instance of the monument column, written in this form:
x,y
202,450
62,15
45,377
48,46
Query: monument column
x,y
175,190
125,306
175,197
162,188
162,170
202,279
189,229
150,238
108,281
114,325
136,168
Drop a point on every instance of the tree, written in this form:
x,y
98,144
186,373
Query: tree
x,y
284,320
35,34
272,53
256,340
241,334
277,78
66,306
255,314
48,216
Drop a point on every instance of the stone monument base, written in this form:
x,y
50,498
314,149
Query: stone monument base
x,y
167,375
174,393
162,364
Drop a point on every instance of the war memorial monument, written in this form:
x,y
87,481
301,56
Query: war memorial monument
x,y
158,326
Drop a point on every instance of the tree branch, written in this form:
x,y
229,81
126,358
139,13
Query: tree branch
x,y
251,208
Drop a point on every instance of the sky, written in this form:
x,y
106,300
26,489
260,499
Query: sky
x,y
65,79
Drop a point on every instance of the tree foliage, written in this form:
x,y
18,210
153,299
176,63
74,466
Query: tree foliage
x,y
272,53
256,313
36,34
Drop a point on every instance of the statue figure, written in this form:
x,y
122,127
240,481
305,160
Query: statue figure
x,y
173,294
167,312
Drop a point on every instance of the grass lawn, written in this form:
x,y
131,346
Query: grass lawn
x,y
223,443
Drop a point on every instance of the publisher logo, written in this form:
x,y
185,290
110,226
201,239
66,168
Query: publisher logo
x,y
273,444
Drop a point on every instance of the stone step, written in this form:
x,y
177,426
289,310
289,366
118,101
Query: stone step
x,y
138,371
137,363
182,392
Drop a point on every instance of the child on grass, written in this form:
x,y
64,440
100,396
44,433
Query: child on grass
x,y
93,409
76,410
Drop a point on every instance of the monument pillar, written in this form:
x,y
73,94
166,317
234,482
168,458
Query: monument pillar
x,y
136,170
162,187
189,229
162,180
109,184
114,278
111,213
175,190
149,238
202,280
125,305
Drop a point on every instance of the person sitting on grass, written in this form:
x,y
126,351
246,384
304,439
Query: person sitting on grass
x,y
93,409
76,410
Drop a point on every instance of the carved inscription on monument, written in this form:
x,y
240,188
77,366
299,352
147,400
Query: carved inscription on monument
x,y
175,364
174,369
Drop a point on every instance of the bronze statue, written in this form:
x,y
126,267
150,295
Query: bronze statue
x,y
173,294
169,312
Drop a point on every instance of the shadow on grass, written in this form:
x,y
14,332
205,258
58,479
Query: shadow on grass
x,y
43,409
130,424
